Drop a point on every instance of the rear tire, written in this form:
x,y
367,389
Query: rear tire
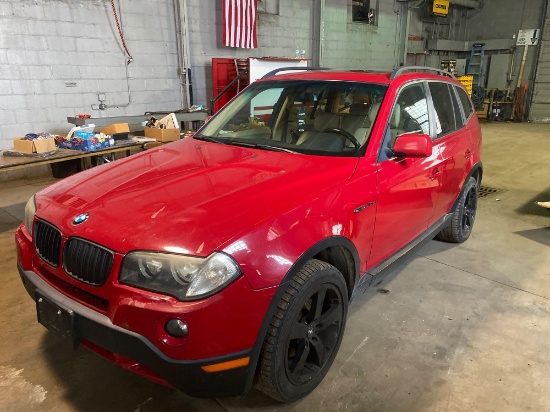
x,y
462,220
305,333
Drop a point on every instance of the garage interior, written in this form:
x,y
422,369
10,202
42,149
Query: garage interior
x,y
455,327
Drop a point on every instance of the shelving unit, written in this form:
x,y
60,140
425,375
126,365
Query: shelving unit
x,y
497,105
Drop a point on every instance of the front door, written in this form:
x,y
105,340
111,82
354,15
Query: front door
x,y
407,187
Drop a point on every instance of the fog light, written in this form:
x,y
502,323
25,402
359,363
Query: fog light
x,y
176,328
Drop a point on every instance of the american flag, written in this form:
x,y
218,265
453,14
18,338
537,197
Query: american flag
x,y
239,23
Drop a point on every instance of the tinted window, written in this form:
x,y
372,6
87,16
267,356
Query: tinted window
x,y
456,108
465,101
445,118
409,115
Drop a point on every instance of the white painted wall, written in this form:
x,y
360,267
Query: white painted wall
x,y
45,44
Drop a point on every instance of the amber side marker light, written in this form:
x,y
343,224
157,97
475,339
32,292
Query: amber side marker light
x,y
218,367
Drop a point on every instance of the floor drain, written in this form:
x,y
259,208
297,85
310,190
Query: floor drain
x,y
485,191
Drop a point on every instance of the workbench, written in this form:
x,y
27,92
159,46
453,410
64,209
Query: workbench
x,y
99,156
63,155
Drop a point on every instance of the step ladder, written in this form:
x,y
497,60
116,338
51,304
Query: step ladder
x,y
475,65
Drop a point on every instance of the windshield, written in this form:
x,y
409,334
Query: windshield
x,y
328,118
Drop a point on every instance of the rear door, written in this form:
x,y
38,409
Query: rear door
x,y
407,187
454,144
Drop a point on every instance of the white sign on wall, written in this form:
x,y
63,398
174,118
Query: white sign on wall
x,y
528,37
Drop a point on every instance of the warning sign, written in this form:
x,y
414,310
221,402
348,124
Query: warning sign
x,y
528,37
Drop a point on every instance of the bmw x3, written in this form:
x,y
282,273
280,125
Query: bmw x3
x,y
228,259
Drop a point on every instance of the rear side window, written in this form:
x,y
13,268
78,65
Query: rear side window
x,y
444,110
465,101
456,108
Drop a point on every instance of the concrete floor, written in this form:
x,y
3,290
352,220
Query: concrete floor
x,y
463,327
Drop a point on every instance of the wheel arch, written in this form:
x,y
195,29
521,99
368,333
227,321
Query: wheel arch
x,y
477,173
340,252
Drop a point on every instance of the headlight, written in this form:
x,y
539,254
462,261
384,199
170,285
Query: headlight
x,y
184,277
30,211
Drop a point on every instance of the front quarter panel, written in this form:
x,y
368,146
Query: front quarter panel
x,y
267,253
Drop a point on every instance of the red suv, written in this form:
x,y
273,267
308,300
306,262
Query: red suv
x,y
228,258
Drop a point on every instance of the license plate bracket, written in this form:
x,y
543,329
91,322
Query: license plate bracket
x,y
55,318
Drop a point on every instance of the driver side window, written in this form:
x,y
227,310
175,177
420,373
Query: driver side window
x,y
409,115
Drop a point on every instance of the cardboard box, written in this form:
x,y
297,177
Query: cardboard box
x,y
162,135
116,128
33,146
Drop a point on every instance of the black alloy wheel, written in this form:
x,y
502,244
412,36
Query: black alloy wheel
x,y
462,220
314,334
305,332
469,210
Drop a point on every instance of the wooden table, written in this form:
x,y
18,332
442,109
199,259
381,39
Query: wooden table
x,y
62,155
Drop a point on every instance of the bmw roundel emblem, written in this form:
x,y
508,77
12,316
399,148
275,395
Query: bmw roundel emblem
x,y
81,218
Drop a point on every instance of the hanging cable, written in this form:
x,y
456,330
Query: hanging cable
x,y
130,58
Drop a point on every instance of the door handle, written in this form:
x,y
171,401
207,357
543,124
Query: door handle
x,y
435,173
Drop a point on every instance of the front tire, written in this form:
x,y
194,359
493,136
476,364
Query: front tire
x,y
462,220
305,333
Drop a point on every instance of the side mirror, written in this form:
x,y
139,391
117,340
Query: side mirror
x,y
413,145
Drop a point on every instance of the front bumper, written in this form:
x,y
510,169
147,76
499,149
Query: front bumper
x,y
136,353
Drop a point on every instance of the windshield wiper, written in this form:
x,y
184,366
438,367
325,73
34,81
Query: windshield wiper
x,y
206,138
275,148
261,146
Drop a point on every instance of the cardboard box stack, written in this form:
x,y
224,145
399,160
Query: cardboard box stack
x,y
38,145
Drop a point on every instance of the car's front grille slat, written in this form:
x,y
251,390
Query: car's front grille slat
x,y
47,241
87,262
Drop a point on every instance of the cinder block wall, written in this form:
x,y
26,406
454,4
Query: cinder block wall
x,y
56,55
360,46
346,45
277,36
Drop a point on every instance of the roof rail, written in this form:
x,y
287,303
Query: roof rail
x,y
284,69
399,71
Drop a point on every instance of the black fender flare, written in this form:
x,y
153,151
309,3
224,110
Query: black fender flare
x,y
478,167
295,268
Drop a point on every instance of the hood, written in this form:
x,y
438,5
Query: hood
x,y
187,197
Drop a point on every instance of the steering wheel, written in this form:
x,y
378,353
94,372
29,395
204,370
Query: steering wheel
x,y
344,133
